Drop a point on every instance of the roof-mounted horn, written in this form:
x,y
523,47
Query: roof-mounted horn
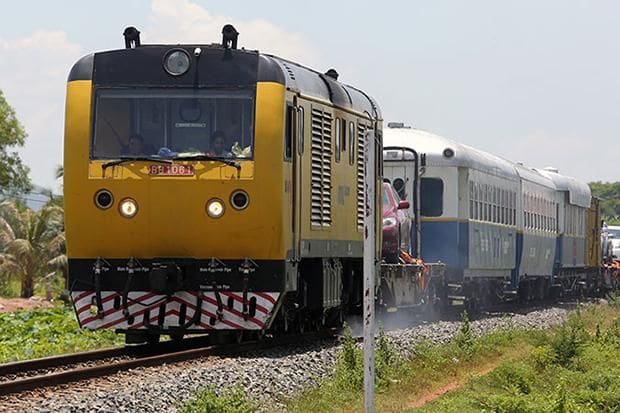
x,y
332,73
229,37
132,37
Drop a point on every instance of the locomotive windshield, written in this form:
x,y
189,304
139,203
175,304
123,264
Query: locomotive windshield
x,y
166,123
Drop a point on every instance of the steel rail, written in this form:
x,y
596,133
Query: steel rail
x,y
25,366
82,373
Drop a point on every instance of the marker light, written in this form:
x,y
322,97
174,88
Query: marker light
x,y
176,62
239,199
104,199
128,208
215,208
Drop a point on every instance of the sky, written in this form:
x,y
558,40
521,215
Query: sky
x,y
534,81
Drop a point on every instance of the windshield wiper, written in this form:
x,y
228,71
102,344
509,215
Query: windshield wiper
x,y
124,159
205,157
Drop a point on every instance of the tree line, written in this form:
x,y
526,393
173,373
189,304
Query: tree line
x,y
609,194
32,243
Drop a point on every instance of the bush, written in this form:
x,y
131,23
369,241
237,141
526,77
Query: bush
x,y
428,354
613,298
612,335
562,402
568,342
507,404
465,339
230,401
350,365
543,356
386,359
514,377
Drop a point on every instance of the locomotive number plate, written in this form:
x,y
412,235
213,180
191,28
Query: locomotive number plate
x,y
171,170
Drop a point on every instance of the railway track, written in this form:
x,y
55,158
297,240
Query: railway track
x,y
53,371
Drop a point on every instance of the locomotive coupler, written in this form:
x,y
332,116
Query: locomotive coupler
x,y
245,269
166,277
97,268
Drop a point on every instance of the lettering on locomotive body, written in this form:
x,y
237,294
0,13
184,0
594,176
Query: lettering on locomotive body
x,y
171,170
135,269
214,269
214,287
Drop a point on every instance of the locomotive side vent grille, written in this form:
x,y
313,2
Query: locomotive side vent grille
x,y
361,137
321,206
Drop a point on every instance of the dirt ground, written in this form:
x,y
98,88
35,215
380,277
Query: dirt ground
x,y
8,305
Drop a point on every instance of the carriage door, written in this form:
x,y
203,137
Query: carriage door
x,y
399,166
400,174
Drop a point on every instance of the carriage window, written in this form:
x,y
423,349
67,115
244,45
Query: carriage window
x,y
431,194
157,122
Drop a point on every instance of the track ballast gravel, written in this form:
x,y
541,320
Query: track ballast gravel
x,y
268,376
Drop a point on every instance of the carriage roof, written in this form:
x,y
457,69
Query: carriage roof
x,y
578,192
434,147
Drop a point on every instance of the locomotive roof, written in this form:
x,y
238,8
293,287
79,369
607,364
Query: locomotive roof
x,y
142,66
578,192
434,146
318,85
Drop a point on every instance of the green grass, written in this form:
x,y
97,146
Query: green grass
x,y
46,332
9,288
575,367
397,380
208,401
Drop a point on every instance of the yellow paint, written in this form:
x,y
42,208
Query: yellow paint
x,y
171,219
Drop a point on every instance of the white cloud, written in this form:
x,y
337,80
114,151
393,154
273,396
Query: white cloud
x,y
33,73
186,22
34,69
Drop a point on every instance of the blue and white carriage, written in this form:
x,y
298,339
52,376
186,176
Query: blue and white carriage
x,y
501,228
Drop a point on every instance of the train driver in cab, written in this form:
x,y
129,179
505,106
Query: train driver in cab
x,y
218,145
136,146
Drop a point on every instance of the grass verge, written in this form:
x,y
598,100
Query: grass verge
x,y
572,367
46,332
231,401
575,368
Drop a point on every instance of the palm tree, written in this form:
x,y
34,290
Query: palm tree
x,y
32,244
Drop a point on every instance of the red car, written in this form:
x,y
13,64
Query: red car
x,y
396,225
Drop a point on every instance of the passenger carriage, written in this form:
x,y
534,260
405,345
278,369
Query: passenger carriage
x,y
503,230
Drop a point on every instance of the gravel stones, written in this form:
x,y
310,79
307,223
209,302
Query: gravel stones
x,y
268,376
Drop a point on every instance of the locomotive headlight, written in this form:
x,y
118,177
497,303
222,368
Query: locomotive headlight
x,y
215,208
388,222
128,208
176,62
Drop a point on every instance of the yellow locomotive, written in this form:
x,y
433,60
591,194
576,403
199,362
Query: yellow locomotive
x,y
210,188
